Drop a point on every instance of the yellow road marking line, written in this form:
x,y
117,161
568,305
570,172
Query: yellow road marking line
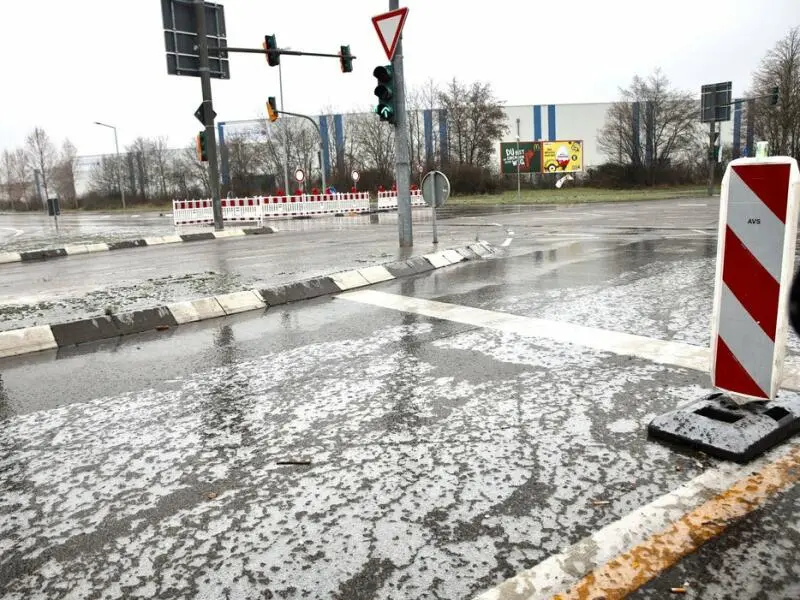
x,y
632,569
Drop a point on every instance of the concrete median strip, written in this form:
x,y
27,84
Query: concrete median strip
x,y
81,331
90,247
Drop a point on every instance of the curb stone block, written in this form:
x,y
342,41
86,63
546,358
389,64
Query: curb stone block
x,y
401,268
43,254
419,264
258,231
302,290
376,274
23,341
197,237
437,259
138,321
468,253
9,257
479,250
125,244
347,280
237,302
227,233
196,310
85,330
453,256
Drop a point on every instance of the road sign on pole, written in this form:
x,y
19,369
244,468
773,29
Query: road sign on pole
x,y
388,27
435,191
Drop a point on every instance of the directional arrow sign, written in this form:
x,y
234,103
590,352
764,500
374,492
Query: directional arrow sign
x,y
388,26
385,112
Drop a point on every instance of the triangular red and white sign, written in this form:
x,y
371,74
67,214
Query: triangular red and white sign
x,y
388,26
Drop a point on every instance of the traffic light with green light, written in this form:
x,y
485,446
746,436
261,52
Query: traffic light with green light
x,y
272,109
773,98
385,93
270,43
202,147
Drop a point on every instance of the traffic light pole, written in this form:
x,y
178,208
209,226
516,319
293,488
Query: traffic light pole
x,y
711,158
211,139
401,145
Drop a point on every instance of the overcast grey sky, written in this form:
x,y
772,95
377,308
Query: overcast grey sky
x,y
68,64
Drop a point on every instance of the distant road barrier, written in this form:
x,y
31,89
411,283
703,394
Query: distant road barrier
x,y
259,208
388,200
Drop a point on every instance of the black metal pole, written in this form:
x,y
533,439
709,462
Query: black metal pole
x,y
208,112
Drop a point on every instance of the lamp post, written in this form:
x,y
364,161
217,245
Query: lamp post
x,y
119,176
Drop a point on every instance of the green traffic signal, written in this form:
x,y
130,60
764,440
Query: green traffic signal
x,y
385,93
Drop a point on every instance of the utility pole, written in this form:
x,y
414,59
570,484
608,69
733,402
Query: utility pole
x,y
711,158
518,161
285,137
401,146
208,111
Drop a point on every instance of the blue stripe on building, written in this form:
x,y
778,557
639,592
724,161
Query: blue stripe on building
x,y
338,132
551,122
223,154
649,133
427,125
737,128
326,144
537,123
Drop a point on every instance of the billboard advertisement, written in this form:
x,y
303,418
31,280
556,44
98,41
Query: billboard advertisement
x,y
528,157
562,156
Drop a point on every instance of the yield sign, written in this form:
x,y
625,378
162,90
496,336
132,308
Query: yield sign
x,y
389,25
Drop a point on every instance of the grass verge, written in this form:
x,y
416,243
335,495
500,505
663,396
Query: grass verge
x,y
579,195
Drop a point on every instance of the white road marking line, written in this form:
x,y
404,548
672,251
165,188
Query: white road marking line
x,y
692,204
507,242
659,351
562,570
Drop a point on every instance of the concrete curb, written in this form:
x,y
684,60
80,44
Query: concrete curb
x,y
73,249
73,333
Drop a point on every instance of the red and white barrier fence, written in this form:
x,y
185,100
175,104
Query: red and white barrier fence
x,y
259,208
388,200
759,209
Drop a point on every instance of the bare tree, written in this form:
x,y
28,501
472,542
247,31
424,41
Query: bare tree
x,y
6,176
667,129
64,173
375,142
780,124
103,178
246,160
158,152
476,120
41,154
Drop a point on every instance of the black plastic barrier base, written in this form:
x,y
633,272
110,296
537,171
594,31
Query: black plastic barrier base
x,y
724,429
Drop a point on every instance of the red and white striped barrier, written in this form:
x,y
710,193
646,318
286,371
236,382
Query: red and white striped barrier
x,y
388,200
192,212
755,263
257,209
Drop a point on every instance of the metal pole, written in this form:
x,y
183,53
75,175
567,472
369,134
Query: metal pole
x,y
433,209
711,158
211,139
401,145
285,136
518,183
119,171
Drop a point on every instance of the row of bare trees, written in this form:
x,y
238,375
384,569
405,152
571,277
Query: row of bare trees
x,y
653,135
20,167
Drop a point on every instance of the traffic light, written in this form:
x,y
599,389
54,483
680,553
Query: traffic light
x,y
385,93
202,148
344,59
773,99
270,43
272,110
716,152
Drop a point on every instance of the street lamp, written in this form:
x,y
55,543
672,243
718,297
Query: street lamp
x,y
116,145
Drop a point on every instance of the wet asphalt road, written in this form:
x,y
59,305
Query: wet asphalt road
x,y
443,458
